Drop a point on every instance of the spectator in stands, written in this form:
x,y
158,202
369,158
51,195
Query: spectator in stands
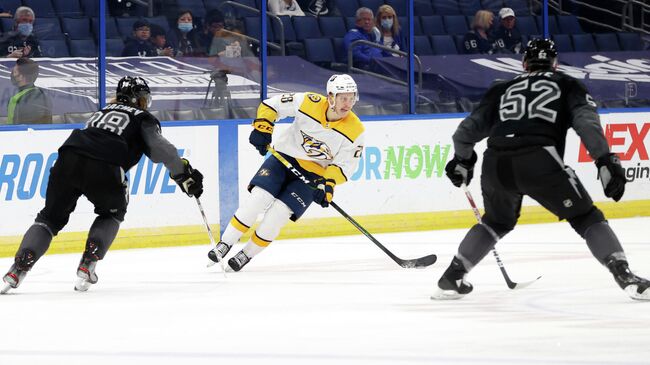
x,y
214,22
507,37
139,44
30,105
4,14
391,33
477,40
184,38
230,44
365,29
20,41
159,40
285,7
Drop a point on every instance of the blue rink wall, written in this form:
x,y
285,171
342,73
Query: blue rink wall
x,y
399,185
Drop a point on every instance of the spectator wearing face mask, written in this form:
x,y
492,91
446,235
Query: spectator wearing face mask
x,y
140,44
184,38
20,41
391,32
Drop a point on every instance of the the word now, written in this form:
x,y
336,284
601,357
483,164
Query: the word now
x,y
399,162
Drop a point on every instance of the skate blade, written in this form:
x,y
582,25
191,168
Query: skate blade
x,y
446,295
5,289
82,285
631,290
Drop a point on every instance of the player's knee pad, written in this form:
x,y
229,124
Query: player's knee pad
x,y
52,228
582,222
274,219
499,228
258,201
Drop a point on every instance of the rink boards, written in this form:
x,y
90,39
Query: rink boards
x,y
400,184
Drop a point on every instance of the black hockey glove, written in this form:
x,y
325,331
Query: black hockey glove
x,y
461,171
611,175
190,180
324,193
261,135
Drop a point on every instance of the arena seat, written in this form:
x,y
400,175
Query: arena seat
x,y
82,48
422,45
42,8
67,8
432,25
54,48
562,42
76,28
606,42
520,7
583,43
469,7
372,5
306,27
400,6
111,28
443,44
347,7
332,26
114,47
423,8
630,41
455,24
48,28
446,7
526,25
568,24
195,6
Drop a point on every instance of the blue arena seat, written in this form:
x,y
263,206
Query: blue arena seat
x,y
83,48
306,27
48,28
630,41
492,5
69,8
11,6
446,7
423,8
455,24
350,22
289,33
159,20
583,43
111,28
553,28
54,48
469,7
432,25
90,7
7,24
372,4
562,42
76,28
443,44
568,24
114,47
319,51
422,45
347,7
332,26
253,28
339,52
417,27
520,7
195,6
607,42
42,8
526,25
125,26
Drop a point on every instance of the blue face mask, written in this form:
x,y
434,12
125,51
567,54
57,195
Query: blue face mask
x,y
387,23
185,27
25,29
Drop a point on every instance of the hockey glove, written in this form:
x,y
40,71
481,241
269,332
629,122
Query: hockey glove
x,y
461,171
190,180
611,175
324,193
261,135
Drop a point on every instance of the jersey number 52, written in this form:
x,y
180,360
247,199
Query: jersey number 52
x,y
514,105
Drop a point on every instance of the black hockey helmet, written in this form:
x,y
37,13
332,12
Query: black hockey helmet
x,y
540,54
131,89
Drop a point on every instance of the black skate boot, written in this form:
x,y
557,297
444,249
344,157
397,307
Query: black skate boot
x,y
238,261
219,252
452,284
86,275
22,264
636,287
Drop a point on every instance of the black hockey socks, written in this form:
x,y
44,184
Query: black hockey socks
x,y
477,243
37,240
101,234
602,241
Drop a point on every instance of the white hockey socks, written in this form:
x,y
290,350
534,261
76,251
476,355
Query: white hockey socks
x,y
258,201
275,218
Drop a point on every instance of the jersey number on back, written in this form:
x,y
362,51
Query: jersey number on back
x,y
113,121
513,102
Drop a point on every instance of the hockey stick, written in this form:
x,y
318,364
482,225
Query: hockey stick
x,y
511,284
212,242
412,263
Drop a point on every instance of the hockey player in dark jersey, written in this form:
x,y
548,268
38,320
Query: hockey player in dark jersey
x,y
526,121
92,162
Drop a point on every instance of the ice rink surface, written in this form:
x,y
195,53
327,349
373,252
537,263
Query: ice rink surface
x,y
335,301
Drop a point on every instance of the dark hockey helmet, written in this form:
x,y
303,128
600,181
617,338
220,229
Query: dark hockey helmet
x,y
131,89
540,54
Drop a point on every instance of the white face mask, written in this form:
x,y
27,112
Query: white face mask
x,y
387,23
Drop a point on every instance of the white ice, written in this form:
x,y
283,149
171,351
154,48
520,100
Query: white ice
x,y
334,301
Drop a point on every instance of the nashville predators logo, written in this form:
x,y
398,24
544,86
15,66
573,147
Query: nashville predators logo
x,y
264,172
314,98
315,148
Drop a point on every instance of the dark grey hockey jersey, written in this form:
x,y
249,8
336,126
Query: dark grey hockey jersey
x,y
119,134
533,109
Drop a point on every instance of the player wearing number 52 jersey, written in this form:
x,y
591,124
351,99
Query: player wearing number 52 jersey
x,y
525,121
324,141
92,162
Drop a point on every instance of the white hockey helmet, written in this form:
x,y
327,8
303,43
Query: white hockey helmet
x,y
342,84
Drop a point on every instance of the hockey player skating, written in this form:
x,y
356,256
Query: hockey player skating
x,y
325,142
526,121
92,162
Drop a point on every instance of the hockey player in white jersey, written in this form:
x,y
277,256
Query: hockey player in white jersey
x,y
325,142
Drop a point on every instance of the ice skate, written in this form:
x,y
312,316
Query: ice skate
x,y
238,261
219,252
14,277
452,284
636,287
86,275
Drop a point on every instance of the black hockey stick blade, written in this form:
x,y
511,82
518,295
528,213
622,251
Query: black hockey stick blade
x,y
420,263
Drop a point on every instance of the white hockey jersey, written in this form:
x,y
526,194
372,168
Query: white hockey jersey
x,y
331,149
